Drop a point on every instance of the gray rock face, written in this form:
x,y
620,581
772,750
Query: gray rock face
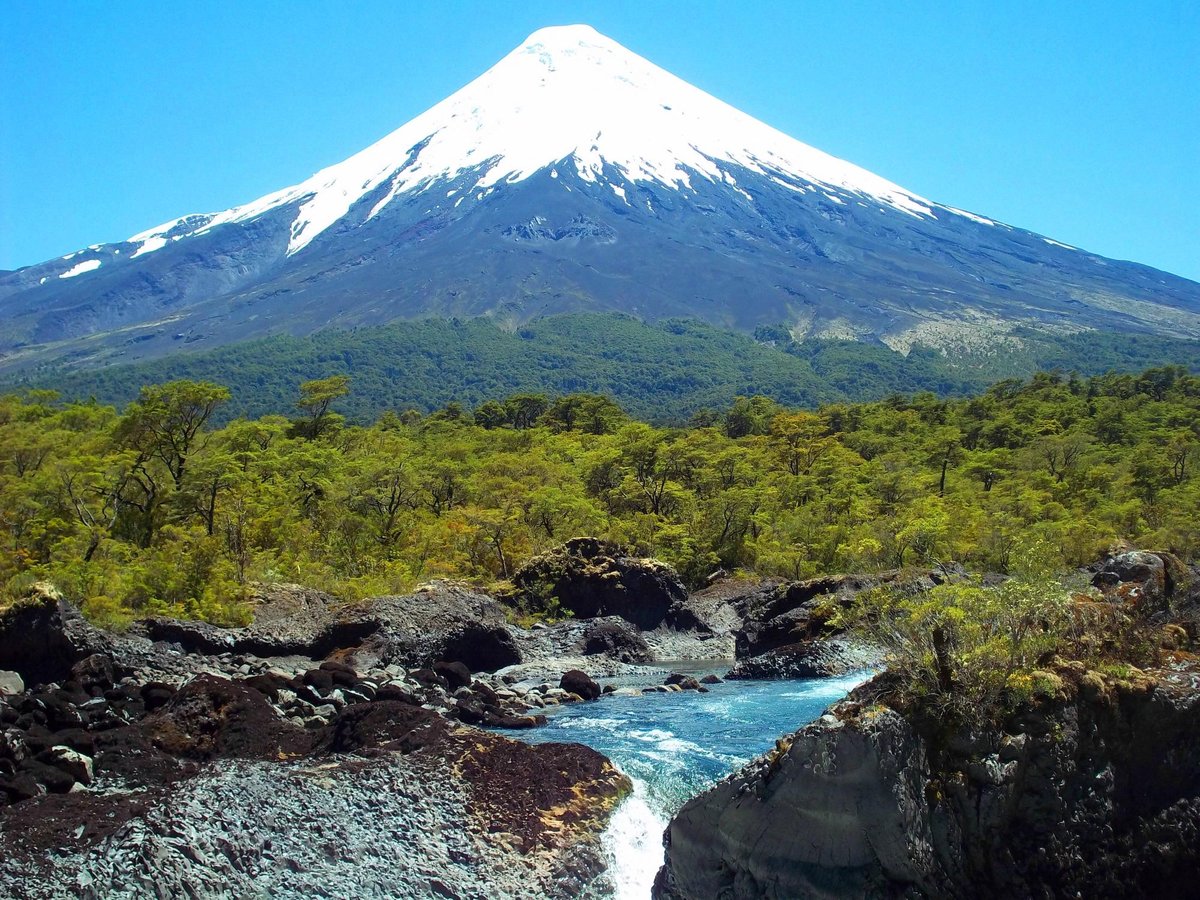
x,y
838,813
781,615
785,629
436,623
809,659
1095,793
11,682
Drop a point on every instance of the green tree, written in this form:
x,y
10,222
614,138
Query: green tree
x,y
316,397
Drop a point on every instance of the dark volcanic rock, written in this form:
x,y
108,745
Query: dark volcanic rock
x,y
199,767
723,604
591,578
1095,792
1149,580
577,682
214,717
456,674
481,647
438,622
616,640
808,659
42,637
55,780
428,677
785,614
386,724
786,629
72,762
155,694
94,674
529,790
288,621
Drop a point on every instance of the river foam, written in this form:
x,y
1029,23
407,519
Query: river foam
x,y
672,746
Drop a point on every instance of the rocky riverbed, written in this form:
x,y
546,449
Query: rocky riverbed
x,y
146,770
328,748
270,759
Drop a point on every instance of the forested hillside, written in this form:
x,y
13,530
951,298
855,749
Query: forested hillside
x,y
661,372
149,509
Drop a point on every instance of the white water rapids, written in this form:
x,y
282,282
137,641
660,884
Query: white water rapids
x,y
672,746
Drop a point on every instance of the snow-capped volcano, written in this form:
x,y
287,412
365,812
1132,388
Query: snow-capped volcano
x,y
575,174
567,93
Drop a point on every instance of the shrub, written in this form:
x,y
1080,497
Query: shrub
x,y
964,647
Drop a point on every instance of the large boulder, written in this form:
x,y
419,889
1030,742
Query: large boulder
x,y
393,725
788,631
289,620
10,683
580,684
213,717
723,603
42,636
1148,580
589,577
438,622
615,639
782,615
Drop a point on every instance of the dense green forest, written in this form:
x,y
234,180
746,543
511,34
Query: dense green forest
x,y
662,372
154,509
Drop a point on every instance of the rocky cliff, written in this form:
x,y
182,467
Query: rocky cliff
x,y
1088,787
1093,791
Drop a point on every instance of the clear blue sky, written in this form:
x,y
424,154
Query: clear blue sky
x,y
1077,120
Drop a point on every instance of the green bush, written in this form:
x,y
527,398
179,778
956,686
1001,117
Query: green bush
x,y
963,647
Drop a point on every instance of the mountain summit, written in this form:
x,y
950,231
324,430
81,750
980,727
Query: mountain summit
x,y
575,175
570,97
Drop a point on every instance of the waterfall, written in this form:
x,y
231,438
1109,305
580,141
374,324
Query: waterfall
x,y
633,844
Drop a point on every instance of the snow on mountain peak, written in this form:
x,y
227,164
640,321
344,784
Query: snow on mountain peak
x,y
567,93
566,35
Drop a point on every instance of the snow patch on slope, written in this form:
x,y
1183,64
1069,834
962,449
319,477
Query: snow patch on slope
x,y
149,246
160,235
88,265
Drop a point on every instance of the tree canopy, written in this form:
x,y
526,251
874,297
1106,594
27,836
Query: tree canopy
x,y
154,509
